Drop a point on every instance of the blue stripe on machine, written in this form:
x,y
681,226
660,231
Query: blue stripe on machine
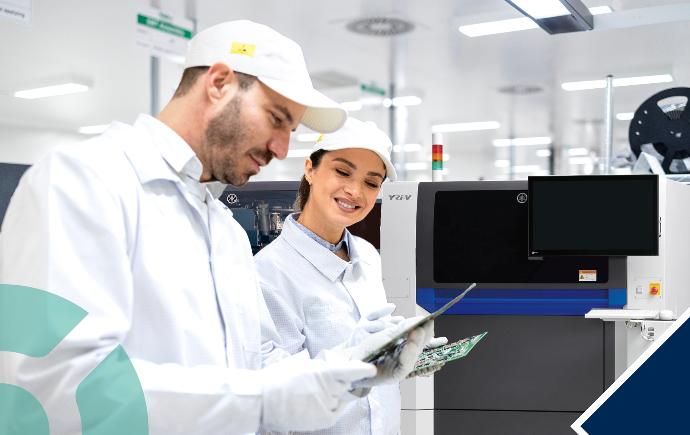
x,y
555,302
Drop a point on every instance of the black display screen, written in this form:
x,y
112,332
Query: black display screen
x,y
481,236
594,215
10,174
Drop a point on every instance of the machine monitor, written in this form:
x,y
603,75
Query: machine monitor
x,y
481,236
477,232
594,215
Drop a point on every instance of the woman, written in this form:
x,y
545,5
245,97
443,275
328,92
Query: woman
x,y
319,280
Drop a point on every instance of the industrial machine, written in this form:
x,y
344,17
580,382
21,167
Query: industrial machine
x,y
660,129
543,362
262,206
10,173
658,286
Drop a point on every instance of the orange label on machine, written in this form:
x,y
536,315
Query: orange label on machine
x,y
655,288
587,275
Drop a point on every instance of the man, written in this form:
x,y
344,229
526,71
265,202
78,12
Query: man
x,y
127,227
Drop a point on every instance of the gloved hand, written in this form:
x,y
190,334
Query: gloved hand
x,y
308,394
394,367
432,344
374,322
436,342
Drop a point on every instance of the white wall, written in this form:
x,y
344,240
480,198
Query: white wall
x,y
26,145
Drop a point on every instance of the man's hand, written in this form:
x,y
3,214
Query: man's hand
x,y
308,394
397,363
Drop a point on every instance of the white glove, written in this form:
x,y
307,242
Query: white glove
x,y
374,322
432,344
399,363
308,394
436,342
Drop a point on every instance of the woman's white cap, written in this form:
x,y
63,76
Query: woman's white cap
x,y
358,134
274,59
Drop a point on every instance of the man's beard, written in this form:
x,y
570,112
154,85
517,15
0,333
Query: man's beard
x,y
226,132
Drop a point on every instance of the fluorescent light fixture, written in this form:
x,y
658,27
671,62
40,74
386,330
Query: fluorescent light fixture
x,y
583,85
465,126
644,80
371,101
308,137
502,163
544,153
301,152
600,10
625,116
52,91
513,24
539,9
556,16
526,169
580,160
416,166
352,106
93,129
408,148
496,27
578,152
523,141
406,100
409,100
621,81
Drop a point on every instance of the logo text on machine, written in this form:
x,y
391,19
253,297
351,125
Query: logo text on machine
x,y
400,197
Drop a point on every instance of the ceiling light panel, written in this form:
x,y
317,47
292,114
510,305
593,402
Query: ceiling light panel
x,y
465,126
52,91
617,82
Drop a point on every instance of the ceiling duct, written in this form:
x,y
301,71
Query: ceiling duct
x,y
380,26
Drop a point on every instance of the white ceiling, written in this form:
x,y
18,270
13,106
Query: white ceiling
x,y
457,77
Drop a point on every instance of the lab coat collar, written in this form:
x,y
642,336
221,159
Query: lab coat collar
x,y
169,156
326,262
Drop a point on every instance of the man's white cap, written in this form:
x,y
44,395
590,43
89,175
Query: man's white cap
x,y
358,134
274,59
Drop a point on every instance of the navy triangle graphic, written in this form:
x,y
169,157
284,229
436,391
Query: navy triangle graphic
x,y
651,400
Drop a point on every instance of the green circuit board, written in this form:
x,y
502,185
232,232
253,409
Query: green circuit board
x,y
441,355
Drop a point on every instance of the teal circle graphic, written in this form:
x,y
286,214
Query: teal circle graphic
x,y
110,399
21,413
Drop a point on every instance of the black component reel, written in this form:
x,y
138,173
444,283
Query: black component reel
x,y
665,128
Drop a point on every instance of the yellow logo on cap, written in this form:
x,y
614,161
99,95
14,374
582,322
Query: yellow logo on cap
x,y
245,49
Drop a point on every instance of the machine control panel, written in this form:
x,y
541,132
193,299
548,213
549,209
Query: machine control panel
x,y
648,288
655,289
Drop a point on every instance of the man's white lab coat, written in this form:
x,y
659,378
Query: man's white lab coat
x,y
120,226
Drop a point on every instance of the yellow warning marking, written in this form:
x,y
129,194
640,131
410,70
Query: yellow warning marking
x,y
241,48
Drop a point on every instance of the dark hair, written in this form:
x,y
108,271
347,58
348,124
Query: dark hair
x,y
304,187
192,74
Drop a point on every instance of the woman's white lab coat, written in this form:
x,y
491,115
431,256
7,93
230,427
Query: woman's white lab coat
x,y
160,266
316,299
